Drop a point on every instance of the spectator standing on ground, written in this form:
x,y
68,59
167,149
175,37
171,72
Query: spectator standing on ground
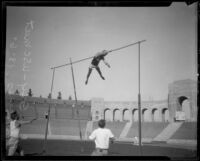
x,y
15,125
102,138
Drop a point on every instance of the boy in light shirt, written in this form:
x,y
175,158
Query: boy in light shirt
x,y
102,138
15,125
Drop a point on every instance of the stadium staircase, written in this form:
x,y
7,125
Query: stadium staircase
x,y
187,131
167,132
125,130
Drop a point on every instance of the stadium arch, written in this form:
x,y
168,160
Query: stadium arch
x,y
155,115
184,105
125,114
135,114
116,114
165,115
108,114
144,114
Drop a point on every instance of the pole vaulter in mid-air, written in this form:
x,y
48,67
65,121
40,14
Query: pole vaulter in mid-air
x,y
95,64
101,56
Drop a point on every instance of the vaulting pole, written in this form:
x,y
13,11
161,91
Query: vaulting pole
x,y
77,111
47,124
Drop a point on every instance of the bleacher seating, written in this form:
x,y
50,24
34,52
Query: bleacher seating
x,y
116,127
188,130
67,127
63,112
59,109
82,113
149,129
36,127
42,109
29,111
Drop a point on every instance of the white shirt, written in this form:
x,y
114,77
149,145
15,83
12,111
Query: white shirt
x,y
101,137
14,131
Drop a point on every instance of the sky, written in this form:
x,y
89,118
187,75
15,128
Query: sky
x,y
38,38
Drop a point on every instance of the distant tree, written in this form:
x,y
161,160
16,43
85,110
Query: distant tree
x,y
70,97
49,96
40,96
59,96
30,94
16,92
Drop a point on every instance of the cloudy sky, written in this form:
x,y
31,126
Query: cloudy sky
x,y
38,38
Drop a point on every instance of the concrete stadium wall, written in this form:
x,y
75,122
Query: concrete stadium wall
x,y
182,97
180,92
154,111
38,107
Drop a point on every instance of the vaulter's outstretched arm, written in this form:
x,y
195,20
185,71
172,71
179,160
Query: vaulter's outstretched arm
x,y
106,63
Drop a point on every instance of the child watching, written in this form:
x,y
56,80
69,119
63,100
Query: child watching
x,y
15,125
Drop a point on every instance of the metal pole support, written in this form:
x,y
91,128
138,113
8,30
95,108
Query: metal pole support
x,y
48,116
77,112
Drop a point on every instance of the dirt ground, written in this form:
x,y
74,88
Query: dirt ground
x,y
34,147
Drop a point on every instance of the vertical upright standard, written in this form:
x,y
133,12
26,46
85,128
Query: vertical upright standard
x,y
139,101
48,115
77,111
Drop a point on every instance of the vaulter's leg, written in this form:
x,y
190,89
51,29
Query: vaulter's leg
x,y
99,71
88,75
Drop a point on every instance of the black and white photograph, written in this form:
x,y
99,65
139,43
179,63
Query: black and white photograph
x,y
101,81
